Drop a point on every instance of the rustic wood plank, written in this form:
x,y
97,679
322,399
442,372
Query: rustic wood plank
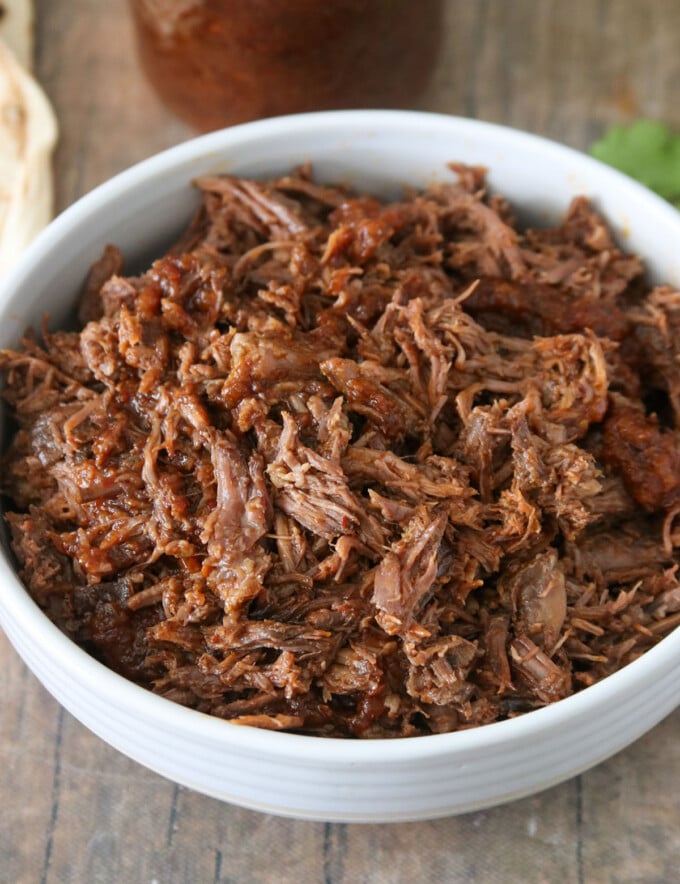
x,y
631,808
563,70
528,839
29,730
73,809
247,847
109,118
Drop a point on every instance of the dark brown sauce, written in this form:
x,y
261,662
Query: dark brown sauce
x,y
220,62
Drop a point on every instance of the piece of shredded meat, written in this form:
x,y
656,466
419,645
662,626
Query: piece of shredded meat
x,y
355,468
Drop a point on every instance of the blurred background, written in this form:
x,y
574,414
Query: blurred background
x,y
564,70
74,810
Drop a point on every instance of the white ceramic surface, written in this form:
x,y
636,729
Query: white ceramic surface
x,y
310,777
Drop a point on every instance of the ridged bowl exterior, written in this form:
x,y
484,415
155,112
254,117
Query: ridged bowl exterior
x,y
308,777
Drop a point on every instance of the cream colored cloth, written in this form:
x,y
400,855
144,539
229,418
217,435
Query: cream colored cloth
x,y
28,134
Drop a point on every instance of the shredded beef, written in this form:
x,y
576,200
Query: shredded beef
x,y
356,468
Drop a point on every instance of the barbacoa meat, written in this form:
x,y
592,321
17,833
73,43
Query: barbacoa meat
x,y
356,468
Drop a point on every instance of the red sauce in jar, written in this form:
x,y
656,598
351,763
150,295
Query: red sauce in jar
x,y
218,62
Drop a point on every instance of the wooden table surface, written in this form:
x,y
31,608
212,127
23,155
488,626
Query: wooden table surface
x,y
74,810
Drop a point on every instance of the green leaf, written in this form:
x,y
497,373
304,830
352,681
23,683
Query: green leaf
x,y
646,150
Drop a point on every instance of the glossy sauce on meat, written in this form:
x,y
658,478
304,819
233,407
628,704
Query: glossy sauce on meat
x,y
354,468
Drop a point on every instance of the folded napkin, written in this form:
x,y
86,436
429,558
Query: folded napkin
x,y
28,134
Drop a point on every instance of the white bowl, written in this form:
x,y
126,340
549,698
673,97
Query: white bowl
x,y
311,777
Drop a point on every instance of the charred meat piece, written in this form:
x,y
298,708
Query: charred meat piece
x,y
646,457
533,308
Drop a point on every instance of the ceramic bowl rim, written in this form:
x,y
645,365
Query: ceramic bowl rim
x,y
19,608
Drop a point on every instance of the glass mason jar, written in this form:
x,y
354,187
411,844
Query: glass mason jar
x,y
219,62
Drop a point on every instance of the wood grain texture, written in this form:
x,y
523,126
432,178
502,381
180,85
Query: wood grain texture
x,y
73,809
